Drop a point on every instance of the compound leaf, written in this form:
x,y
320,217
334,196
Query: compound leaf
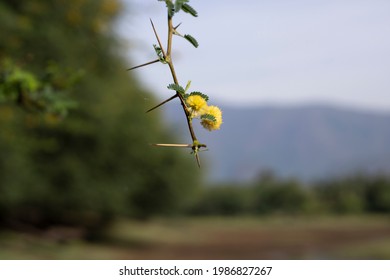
x,y
188,9
208,117
204,96
176,87
179,4
159,53
192,40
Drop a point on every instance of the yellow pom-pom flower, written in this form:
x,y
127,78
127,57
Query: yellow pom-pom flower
x,y
196,104
210,124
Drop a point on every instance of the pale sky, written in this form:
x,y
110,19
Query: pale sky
x,y
262,52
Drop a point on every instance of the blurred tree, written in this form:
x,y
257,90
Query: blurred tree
x,y
225,200
272,196
378,195
43,95
97,163
343,195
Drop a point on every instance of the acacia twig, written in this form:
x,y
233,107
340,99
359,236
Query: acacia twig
x,y
167,58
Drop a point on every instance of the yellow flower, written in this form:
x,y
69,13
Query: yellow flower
x,y
196,104
212,124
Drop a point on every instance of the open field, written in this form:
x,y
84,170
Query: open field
x,y
215,238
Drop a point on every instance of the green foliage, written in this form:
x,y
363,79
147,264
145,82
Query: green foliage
x,y
179,5
378,195
208,117
204,96
188,9
192,40
270,195
159,53
14,79
187,86
224,200
23,88
176,87
344,196
279,198
97,164
356,194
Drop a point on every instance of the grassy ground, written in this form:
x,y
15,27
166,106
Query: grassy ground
x,y
214,238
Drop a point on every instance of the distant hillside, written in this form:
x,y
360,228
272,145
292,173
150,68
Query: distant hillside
x,y
308,142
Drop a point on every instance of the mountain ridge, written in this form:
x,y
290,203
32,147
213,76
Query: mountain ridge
x,y
307,142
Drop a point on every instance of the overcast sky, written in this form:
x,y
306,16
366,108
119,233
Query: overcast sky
x,y
261,52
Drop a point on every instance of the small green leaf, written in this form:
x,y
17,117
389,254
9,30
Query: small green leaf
x,y
204,96
179,4
208,117
187,86
176,87
159,53
188,9
192,40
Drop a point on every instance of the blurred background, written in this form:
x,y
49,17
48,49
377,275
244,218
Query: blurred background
x,y
299,170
